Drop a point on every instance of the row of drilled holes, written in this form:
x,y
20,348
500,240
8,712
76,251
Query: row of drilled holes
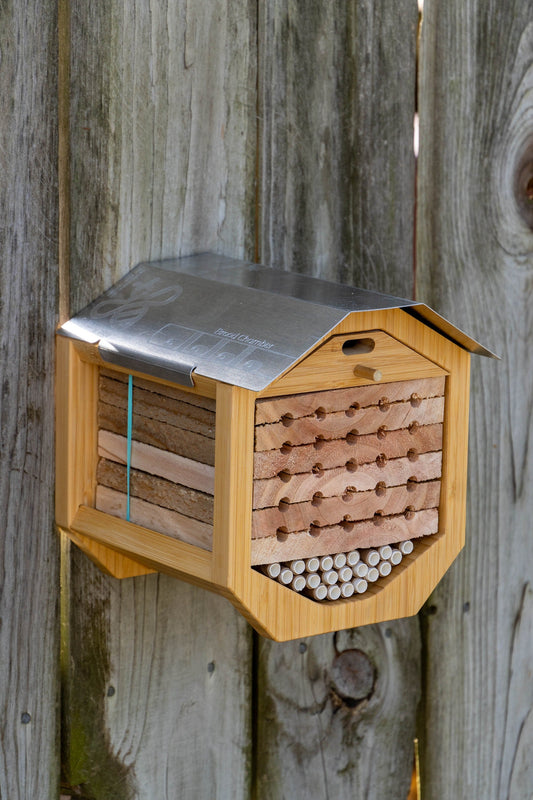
x,y
282,534
351,437
349,492
320,413
351,465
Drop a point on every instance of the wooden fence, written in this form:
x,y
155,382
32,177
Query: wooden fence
x,y
280,131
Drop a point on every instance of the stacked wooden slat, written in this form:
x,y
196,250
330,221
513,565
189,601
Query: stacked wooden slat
x,y
346,469
172,457
341,575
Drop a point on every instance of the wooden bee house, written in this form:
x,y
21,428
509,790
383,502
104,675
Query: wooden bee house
x,y
298,446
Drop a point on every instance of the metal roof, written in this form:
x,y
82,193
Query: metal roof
x,y
225,319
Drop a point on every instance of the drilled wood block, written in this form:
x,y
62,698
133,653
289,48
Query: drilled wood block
x,y
272,409
335,482
354,506
344,468
335,539
359,450
349,423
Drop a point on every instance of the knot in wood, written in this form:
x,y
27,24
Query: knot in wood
x,y
523,184
352,677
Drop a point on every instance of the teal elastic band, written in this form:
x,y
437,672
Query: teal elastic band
x,y
128,456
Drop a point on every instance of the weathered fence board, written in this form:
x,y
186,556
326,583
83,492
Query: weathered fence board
x,y
163,105
475,248
336,714
29,553
337,91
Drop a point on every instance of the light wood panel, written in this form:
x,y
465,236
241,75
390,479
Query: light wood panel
x,y
337,88
155,517
158,462
336,539
302,405
356,505
475,243
233,485
29,551
328,367
163,114
359,450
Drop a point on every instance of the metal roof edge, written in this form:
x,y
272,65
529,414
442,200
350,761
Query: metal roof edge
x,y
446,328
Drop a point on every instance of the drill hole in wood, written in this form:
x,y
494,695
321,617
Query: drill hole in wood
x,y
357,347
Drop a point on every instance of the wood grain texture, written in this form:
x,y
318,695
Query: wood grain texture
x,y
157,490
157,462
300,405
331,696
158,407
337,425
163,115
337,452
333,482
353,505
336,538
337,105
138,681
475,245
337,83
158,434
29,549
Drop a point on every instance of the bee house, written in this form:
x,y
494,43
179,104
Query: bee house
x,y
297,446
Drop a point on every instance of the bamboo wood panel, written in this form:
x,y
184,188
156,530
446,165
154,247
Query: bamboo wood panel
x,y
474,261
29,552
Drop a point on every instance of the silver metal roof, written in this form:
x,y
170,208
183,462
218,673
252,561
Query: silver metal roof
x,y
229,320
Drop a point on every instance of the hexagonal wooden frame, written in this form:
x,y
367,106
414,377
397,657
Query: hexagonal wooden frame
x,y
124,549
